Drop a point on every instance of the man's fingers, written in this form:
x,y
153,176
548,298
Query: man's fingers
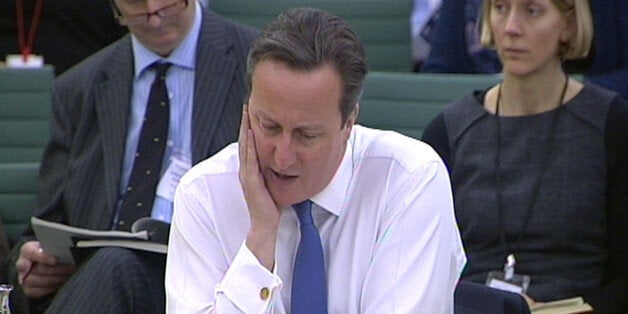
x,y
242,137
60,270
45,279
32,251
37,287
251,155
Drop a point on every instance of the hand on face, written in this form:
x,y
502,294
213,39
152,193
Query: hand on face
x,y
39,273
264,213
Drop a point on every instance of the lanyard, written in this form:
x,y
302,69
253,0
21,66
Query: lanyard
x,y
535,189
26,41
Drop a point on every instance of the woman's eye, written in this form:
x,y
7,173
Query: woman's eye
x,y
499,7
534,11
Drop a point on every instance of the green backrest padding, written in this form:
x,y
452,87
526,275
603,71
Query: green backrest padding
x,y
383,26
18,196
25,105
407,102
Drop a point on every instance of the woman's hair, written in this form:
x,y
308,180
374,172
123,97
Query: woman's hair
x,y
579,45
307,39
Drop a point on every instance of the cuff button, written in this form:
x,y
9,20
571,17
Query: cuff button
x,y
264,293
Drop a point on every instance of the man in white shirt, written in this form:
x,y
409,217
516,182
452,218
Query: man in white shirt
x,y
382,202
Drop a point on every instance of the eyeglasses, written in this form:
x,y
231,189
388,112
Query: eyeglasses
x,y
141,18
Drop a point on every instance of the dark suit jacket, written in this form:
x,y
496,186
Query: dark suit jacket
x,y
476,298
82,164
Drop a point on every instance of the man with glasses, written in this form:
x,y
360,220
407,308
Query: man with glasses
x,y
101,110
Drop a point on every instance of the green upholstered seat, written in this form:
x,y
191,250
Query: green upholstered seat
x,y
25,105
18,196
407,102
382,25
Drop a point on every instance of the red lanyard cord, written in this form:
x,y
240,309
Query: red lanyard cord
x,y
26,43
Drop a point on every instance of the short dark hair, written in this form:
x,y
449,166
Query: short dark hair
x,y
309,38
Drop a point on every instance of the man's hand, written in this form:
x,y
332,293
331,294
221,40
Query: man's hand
x,y
39,272
263,211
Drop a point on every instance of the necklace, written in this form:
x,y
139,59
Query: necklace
x,y
535,188
560,102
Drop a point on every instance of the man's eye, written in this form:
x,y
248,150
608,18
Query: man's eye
x,y
308,136
271,128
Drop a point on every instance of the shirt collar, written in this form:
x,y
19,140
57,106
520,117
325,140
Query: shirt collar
x,y
183,55
332,198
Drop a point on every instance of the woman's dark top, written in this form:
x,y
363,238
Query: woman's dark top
x,y
563,183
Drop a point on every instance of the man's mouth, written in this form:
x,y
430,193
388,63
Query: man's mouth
x,y
282,176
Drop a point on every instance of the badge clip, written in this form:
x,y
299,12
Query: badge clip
x,y
507,279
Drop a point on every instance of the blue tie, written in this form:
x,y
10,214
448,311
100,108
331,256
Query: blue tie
x,y
309,286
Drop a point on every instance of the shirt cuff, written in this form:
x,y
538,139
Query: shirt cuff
x,y
248,284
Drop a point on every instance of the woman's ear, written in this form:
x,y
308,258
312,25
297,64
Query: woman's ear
x,y
570,29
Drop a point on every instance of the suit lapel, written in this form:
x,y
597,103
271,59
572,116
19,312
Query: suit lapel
x,y
215,67
112,98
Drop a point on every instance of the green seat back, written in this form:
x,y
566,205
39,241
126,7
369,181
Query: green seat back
x,y
383,26
18,196
25,105
407,102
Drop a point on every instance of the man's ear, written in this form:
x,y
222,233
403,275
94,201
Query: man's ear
x,y
353,117
351,120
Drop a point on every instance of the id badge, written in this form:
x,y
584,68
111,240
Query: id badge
x,y
508,280
169,181
517,283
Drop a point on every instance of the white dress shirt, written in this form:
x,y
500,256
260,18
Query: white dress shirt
x,y
386,223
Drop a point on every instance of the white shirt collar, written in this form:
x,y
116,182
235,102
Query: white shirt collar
x,y
332,197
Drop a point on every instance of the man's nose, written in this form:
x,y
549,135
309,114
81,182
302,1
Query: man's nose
x,y
285,154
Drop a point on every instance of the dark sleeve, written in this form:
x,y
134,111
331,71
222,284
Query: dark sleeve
x,y
435,134
472,297
613,298
447,42
8,29
72,30
610,63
